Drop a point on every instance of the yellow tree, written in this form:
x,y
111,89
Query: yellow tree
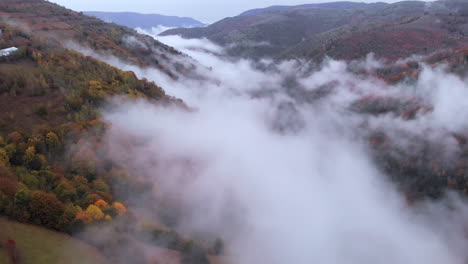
x,y
4,159
52,141
94,212
29,155
32,160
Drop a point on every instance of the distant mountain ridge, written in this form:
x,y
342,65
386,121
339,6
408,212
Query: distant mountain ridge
x,y
332,5
341,30
146,21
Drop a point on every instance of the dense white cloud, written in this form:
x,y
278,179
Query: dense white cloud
x,y
283,172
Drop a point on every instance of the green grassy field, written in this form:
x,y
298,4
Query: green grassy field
x,y
37,245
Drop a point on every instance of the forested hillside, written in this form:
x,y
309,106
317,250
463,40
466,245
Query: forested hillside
x,y
331,5
51,98
340,30
68,27
59,170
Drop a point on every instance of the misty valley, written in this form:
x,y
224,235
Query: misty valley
x,y
331,132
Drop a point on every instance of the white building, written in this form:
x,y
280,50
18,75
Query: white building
x,y
7,52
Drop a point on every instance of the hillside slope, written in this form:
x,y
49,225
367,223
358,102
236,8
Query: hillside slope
x,y
50,98
36,245
69,27
267,34
352,31
52,173
424,31
52,170
333,5
145,21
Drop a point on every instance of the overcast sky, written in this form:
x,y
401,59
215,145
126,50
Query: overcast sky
x,y
207,11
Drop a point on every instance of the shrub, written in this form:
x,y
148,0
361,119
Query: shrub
x,y
15,137
6,204
66,192
23,198
27,178
41,111
68,217
101,186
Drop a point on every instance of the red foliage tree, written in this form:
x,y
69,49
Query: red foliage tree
x,y
8,186
6,172
46,209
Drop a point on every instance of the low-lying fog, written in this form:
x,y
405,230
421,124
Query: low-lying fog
x,y
273,159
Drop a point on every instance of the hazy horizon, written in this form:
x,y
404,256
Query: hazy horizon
x,y
207,11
